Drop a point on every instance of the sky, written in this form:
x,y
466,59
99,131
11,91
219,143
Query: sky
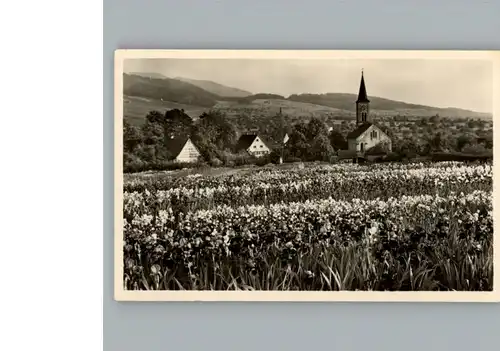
x,y
461,83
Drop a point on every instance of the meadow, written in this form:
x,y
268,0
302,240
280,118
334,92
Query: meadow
x,y
397,227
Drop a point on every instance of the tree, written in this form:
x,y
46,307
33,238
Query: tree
x,y
436,142
298,145
462,140
474,149
380,148
177,123
132,137
213,134
434,119
337,140
316,127
153,133
310,141
409,148
321,149
155,117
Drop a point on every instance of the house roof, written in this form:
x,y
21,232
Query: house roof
x,y
362,97
245,141
359,130
175,145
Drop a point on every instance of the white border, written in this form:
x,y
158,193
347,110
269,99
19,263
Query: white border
x,y
317,296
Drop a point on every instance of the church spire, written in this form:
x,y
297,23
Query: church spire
x,y
362,97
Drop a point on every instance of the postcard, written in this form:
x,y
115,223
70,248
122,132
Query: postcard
x,y
305,175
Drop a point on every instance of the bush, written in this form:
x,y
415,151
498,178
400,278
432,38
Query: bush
x,y
139,166
394,157
243,159
134,166
215,162
292,159
274,156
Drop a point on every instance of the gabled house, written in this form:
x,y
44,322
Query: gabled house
x,y
253,144
183,150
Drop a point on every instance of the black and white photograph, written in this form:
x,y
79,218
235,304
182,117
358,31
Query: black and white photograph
x,y
304,171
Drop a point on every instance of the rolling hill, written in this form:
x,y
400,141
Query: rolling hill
x,y
216,88
145,92
271,107
167,89
148,75
382,106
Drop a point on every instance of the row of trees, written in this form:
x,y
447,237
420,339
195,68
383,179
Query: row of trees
x,y
411,145
147,146
215,135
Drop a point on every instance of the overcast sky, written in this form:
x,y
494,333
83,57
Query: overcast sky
x,y
442,83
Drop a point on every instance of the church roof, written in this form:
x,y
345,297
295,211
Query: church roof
x,y
362,97
359,130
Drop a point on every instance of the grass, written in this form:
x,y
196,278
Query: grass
x,y
355,266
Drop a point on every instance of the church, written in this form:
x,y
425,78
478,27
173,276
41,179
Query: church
x,y
367,135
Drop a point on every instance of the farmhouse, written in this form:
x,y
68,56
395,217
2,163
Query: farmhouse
x,y
253,144
183,150
366,135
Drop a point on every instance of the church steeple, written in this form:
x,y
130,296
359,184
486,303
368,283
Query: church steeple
x,y
362,97
362,103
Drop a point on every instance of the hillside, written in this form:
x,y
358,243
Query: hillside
x,y
382,106
167,89
216,88
271,107
136,108
145,93
148,75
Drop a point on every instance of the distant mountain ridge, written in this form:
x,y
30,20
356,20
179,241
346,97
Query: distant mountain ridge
x,y
378,105
148,75
167,89
216,88
200,93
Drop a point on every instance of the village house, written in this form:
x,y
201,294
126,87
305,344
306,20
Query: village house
x,y
253,144
367,135
183,150
285,139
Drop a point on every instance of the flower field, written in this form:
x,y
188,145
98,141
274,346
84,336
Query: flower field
x,y
320,227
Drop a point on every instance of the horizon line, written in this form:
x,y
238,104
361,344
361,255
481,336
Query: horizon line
x,y
299,93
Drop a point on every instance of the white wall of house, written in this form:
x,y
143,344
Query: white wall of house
x,y
371,137
285,138
258,148
189,153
